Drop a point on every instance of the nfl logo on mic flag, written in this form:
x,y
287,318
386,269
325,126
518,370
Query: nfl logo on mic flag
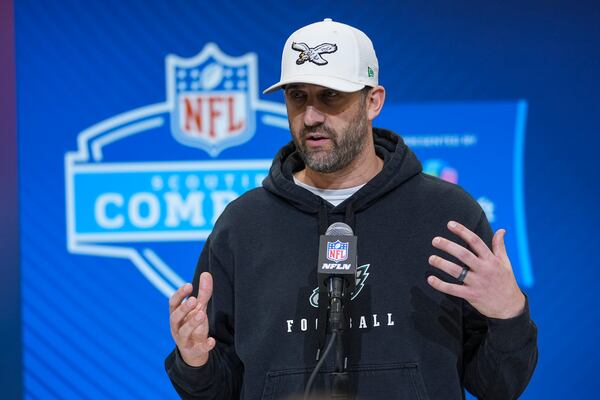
x,y
338,256
337,251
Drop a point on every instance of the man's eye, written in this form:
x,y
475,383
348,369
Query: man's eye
x,y
330,94
295,94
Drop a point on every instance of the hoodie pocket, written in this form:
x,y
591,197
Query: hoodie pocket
x,y
367,382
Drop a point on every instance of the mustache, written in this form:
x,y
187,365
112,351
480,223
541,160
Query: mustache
x,y
322,130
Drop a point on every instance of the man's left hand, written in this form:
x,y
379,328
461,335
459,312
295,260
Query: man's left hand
x,y
489,285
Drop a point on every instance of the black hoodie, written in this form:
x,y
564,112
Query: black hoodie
x,y
405,340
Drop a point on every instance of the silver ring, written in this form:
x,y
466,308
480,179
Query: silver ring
x,y
463,275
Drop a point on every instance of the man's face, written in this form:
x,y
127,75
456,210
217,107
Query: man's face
x,y
329,128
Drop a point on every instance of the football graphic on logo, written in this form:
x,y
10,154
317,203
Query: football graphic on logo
x,y
211,76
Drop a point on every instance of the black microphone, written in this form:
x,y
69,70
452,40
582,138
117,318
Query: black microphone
x,y
337,269
337,278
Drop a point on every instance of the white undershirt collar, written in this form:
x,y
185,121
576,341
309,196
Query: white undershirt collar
x,y
333,196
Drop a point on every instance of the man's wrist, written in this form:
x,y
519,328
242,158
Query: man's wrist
x,y
517,309
195,362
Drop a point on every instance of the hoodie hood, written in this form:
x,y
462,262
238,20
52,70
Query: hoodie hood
x,y
400,165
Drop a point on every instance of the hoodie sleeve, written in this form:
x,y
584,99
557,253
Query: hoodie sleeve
x,y
499,354
221,376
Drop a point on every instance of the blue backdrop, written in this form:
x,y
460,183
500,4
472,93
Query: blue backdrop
x,y
125,161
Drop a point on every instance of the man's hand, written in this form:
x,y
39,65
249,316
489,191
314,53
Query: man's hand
x,y
189,323
490,285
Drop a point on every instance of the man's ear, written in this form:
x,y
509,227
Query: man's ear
x,y
375,102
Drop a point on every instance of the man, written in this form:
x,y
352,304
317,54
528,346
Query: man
x,y
436,308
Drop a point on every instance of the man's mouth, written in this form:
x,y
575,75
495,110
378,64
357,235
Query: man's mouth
x,y
316,139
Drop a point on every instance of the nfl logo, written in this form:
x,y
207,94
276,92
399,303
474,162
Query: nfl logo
x,y
337,251
212,99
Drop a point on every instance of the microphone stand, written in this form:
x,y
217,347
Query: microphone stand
x,y
338,244
340,389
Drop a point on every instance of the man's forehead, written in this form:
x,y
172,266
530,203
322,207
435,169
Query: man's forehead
x,y
305,86
311,87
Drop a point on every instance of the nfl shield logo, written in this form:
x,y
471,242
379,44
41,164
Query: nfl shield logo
x,y
337,251
212,98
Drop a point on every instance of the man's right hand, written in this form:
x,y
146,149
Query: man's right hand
x,y
189,322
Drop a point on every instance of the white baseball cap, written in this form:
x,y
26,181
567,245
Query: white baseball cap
x,y
329,54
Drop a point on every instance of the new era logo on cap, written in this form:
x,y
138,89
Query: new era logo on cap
x,y
330,54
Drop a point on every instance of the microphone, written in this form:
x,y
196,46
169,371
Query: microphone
x,y
337,277
337,269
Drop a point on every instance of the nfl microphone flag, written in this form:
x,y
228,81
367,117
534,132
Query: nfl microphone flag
x,y
337,257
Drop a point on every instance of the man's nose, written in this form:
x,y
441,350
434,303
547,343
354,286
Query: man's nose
x,y
313,117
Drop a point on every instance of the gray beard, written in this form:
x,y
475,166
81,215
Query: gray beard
x,y
345,147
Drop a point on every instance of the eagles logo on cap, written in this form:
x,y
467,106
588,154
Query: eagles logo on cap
x,y
313,54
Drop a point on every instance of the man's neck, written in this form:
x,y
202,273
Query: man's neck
x,y
360,171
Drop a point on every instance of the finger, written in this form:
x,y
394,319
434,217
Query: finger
x,y
177,297
210,344
197,320
192,312
448,288
205,289
456,250
206,342
448,267
473,241
498,244
178,316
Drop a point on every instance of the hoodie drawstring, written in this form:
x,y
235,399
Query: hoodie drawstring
x,y
323,295
323,217
349,217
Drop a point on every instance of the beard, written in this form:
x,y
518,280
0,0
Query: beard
x,y
345,146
